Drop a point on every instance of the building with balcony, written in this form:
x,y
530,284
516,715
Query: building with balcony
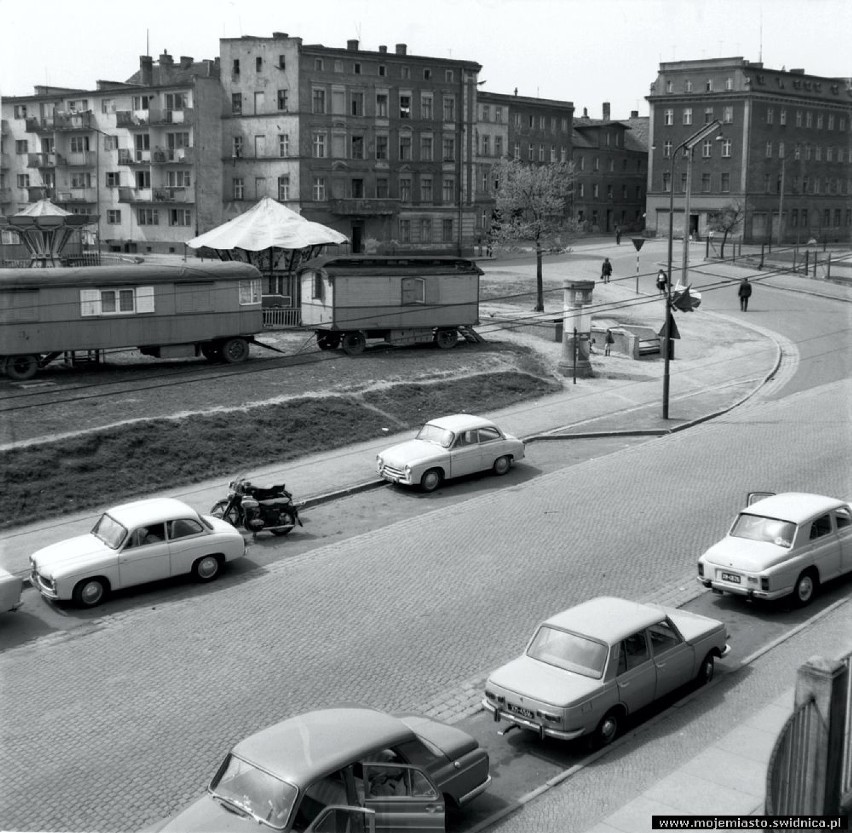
x,y
783,152
129,152
611,164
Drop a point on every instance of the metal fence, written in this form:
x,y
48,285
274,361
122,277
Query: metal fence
x,y
281,318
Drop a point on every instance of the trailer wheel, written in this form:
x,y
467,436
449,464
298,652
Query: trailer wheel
x,y
328,341
235,350
211,352
354,343
445,339
21,368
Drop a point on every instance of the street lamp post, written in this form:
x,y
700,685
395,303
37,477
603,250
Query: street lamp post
x,y
688,147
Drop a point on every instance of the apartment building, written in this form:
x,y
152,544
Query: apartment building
x,y
783,151
137,153
611,167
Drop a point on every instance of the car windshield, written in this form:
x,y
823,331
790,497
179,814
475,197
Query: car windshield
x,y
432,434
569,651
264,797
110,531
768,530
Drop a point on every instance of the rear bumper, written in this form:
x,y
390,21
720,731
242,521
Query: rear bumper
x,y
745,592
530,725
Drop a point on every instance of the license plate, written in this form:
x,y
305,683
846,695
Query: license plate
x,y
519,710
733,578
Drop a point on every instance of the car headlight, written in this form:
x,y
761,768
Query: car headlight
x,y
407,470
379,461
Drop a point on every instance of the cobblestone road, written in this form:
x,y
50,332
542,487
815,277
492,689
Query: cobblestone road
x,y
113,729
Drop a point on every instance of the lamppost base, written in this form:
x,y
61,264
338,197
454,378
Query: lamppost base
x,y
583,369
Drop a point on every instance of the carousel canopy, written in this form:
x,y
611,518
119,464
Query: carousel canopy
x,y
268,224
45,229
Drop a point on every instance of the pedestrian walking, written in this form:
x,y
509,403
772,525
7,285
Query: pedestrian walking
x,y
609,341
744,293
606,270
662,281
618,235
488,249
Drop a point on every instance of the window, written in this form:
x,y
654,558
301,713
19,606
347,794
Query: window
x,y
79,106
111,142
405,106
283,144
281,100
809,119
707,148
383,70
141,102
426,230
382,105
108,105
822,525
766,183
382,188
729,84
405,73
728,114
448,190
426,106
404,147
609,192
357,68
663,637
687,87
319,188
708,85
405,231
426,189
284,187
798,118
112,179
486,145
531,152
669,86
498,145
426,148
143,179
596,164
237,147
356,188
235,67
726,148
318,64
797,151
770,115
498,114
180,217
113,216
687,115
449,108
356,104
725,183
238,188
318,143
780,150
449,149
668,117
21,146
318,101
20,111
486,112
667,149
405,189
831,121
148,216
632,652
705,183
23,180
819,121
447,233
357,146
768,153
708,115
667,181
448,76
541,153
236,103
381,147
782,117
683,183
596,190
516,150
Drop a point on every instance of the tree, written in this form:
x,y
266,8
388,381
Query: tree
x,y
726,220
532,204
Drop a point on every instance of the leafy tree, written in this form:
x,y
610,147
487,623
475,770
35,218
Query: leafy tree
x,y
726,220
532,204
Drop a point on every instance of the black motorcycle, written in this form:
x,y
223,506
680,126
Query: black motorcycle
x,y
256,508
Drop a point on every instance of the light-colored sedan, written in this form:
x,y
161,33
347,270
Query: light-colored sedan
x,y
132,544
451,446
781,545
588,668
10,591
353,769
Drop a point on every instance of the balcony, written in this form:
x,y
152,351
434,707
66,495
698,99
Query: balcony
x,y
73,121
78,159
167,156
76,195
133,118
5,195
5,161
171,116
172,194
135,194
364,207
134,157
39,125
39,192
41,160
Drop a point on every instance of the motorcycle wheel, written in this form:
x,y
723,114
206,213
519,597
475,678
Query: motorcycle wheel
x,y
280,531
218,511
287,518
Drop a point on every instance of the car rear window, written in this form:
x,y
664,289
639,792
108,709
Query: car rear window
x,y
767,530
569,651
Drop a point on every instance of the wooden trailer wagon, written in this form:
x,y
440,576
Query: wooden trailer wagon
x,y
209,309
352,299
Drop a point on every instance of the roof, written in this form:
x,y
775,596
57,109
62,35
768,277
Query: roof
x,y
607,618
460,422
793,506
141,273
153,510
307,746
397,264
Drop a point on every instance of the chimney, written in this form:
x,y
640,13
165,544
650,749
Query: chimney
x,y
146,72
279,35
516,90
383,50
606,111
166,60
186,61
634,114
401,49
352,45
585,112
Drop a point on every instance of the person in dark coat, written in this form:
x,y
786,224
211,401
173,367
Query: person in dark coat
x,y
606,270
618,235
744,293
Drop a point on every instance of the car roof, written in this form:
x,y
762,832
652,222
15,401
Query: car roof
x,y
460,422
308,746
152,510
793,506
607,618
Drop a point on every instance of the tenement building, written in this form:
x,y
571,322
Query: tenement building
x,y
782,153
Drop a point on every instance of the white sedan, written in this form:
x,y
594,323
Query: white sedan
x,y
781,545
451,446
132,544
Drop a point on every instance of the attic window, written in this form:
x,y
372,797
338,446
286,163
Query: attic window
x,y
282,62
258,64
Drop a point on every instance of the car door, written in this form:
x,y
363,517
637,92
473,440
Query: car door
x,y
188,540
843,524
340,819
465,454
145,557
403,798
636,676
823,546
674,659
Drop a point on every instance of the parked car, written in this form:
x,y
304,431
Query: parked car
x,y
585,670
451,446
11,588
781,545
400,770
133,544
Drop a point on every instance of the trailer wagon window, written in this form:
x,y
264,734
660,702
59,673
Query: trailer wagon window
x,y
317,287
250,292
19,305
413,291
124,301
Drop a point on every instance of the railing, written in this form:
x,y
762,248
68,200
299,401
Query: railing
x,y
125,157
5,160
77,159
359,206
72,121
171,116
162,156
41,160
132,118
126,194
39,125
173,194
76,195
279,318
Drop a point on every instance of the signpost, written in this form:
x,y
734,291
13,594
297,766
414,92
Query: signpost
x,y
637,242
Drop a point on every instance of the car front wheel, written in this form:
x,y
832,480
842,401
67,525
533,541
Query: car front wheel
x,y
705,672
431,480
89,592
